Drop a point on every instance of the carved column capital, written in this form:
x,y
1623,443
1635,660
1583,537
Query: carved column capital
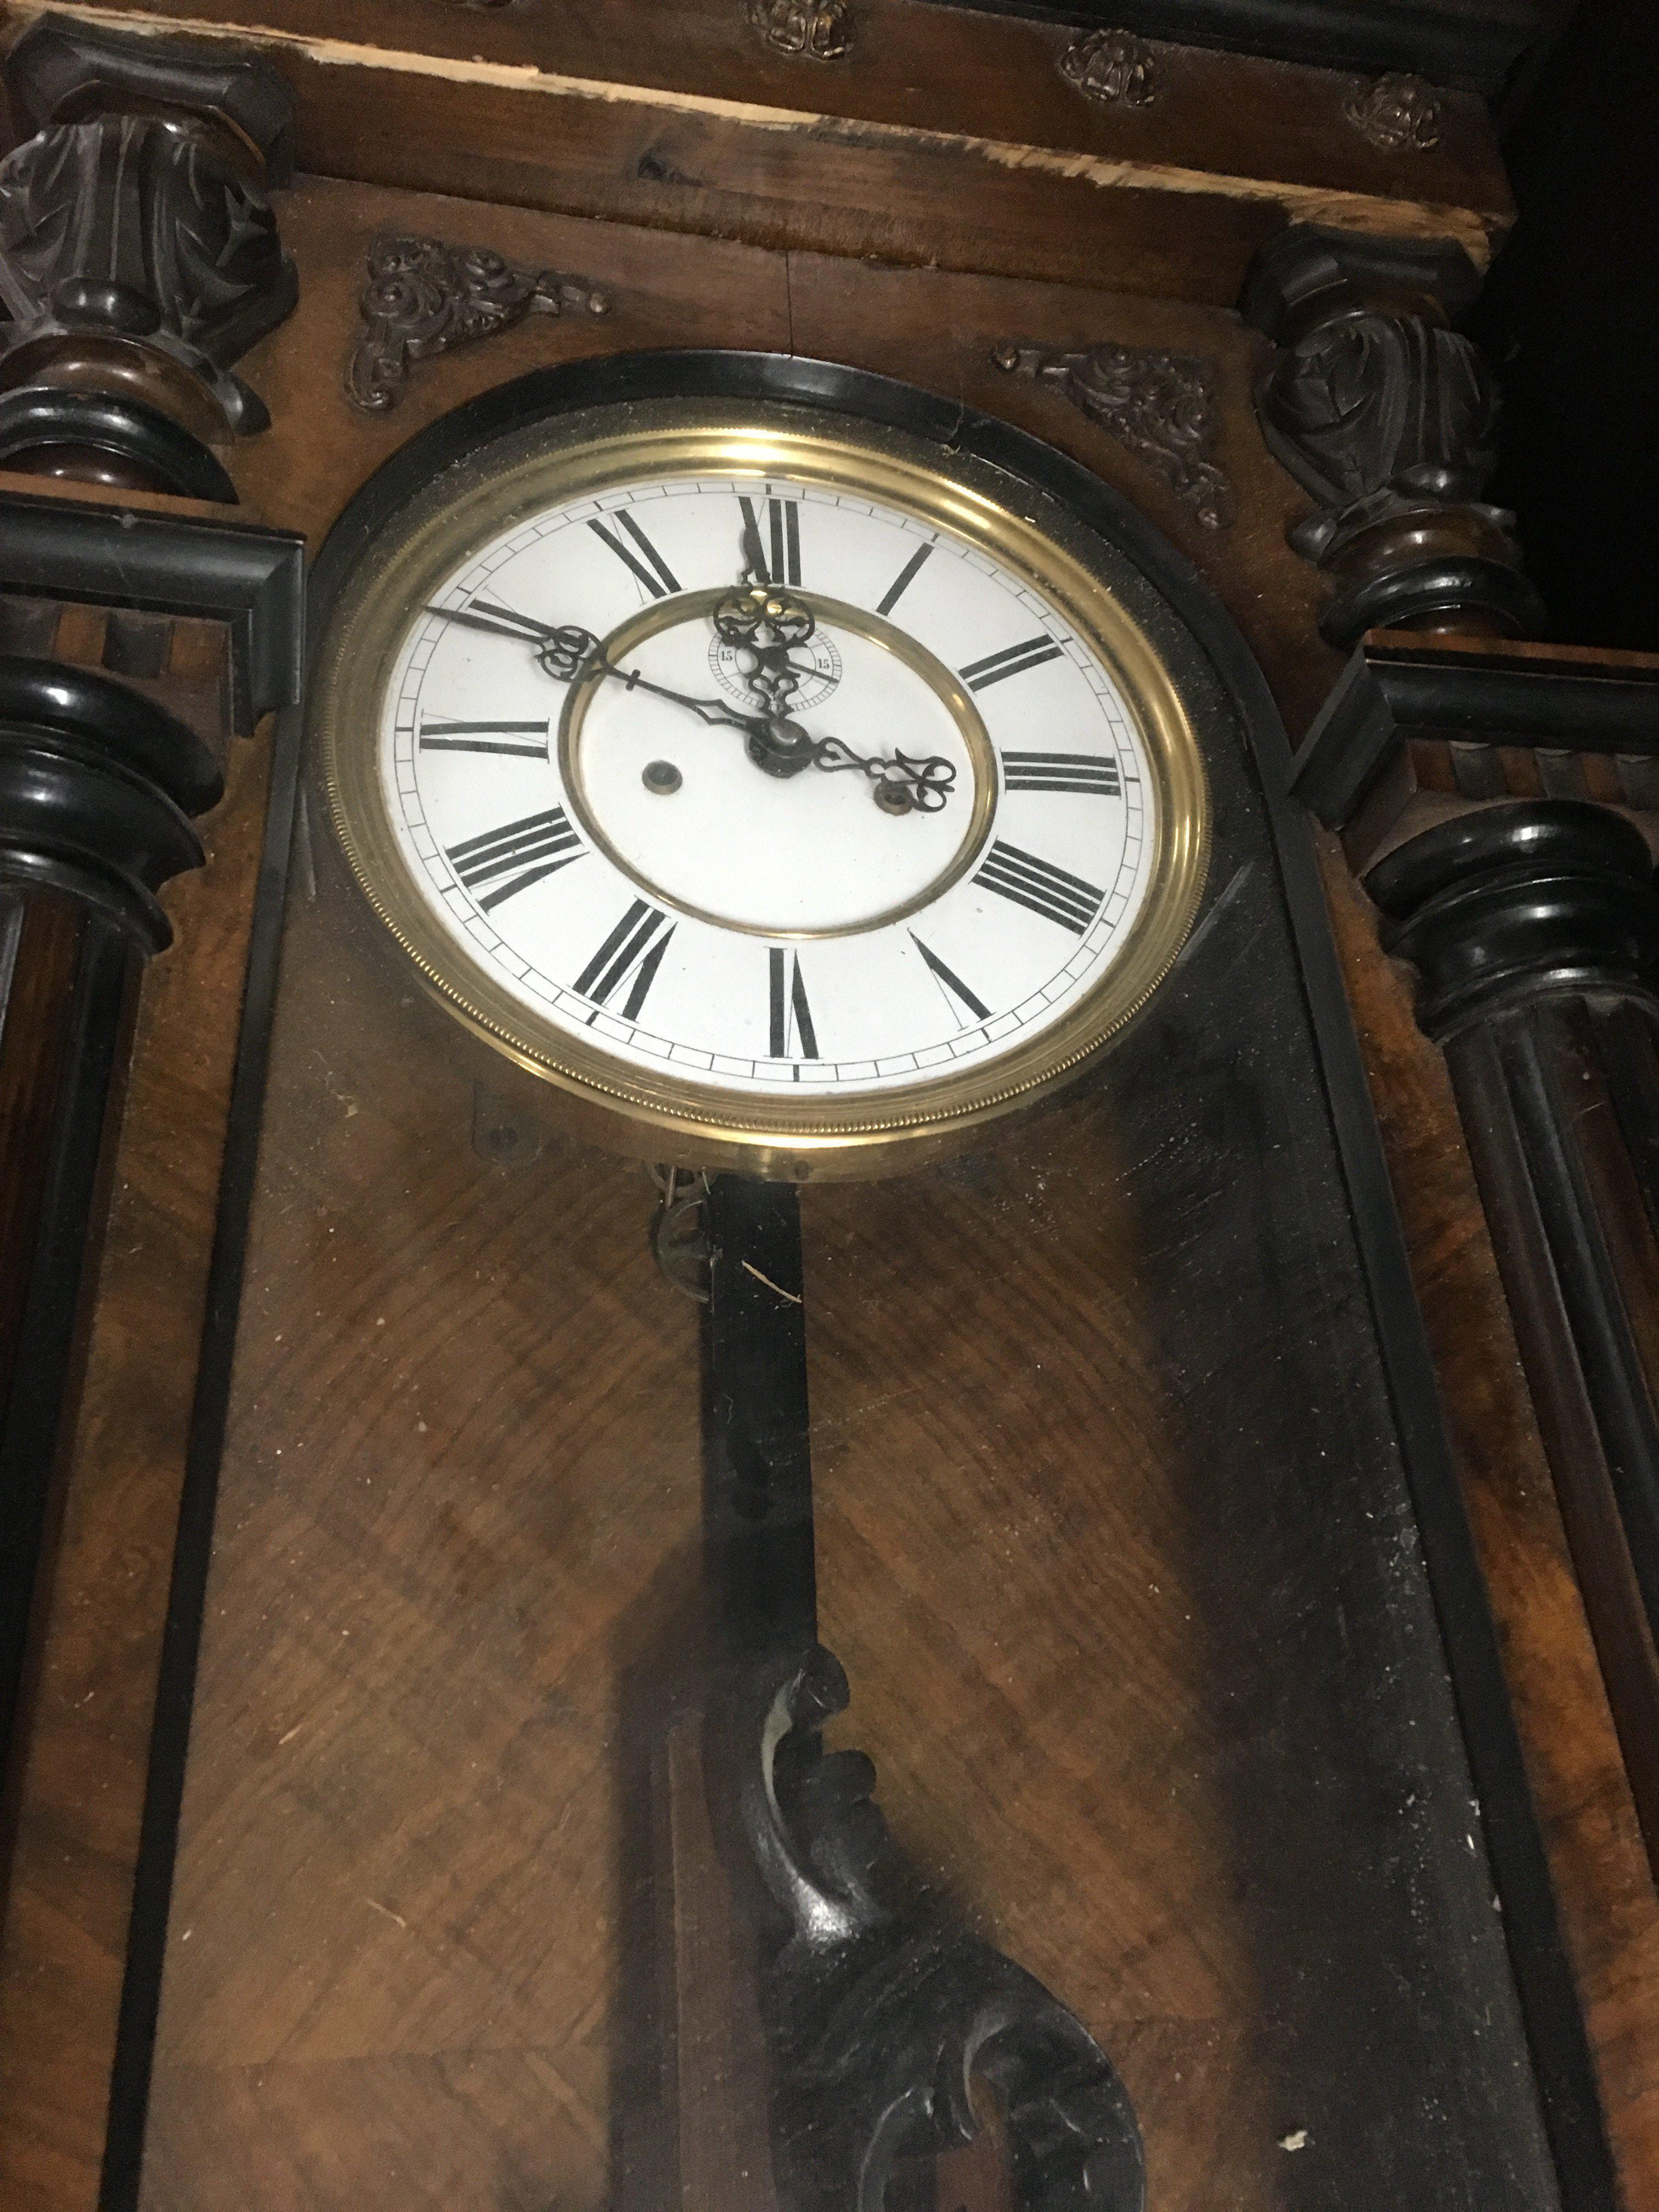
x,y
1387,417
1511,904
139,257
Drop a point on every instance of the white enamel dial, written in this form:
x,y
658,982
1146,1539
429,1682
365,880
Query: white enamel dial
x,y
624,869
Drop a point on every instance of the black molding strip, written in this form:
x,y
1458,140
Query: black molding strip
x,y
181,1635
1474,48
1552,2022
124,556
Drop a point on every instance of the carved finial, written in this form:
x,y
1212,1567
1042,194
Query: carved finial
x,y
422,296
820,30
1160,405
1112,66
1397,114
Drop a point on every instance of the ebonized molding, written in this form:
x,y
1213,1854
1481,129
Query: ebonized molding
x,y
96,787
250,578
1359,767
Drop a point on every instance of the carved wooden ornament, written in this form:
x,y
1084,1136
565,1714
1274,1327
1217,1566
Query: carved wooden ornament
x,y
422,296
1161,406
1397,114
818,30
1113,67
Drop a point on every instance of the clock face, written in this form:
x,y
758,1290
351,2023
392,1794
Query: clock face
x,y
761,777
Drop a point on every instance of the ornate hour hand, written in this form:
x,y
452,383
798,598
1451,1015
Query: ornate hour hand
x,y
775,741
763,624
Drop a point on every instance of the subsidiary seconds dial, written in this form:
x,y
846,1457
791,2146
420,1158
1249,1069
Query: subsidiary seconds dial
x,y
762,779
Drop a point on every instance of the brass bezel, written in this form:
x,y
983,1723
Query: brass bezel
x,y
656,1116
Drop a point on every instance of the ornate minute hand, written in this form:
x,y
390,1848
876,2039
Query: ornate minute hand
x,y
775,741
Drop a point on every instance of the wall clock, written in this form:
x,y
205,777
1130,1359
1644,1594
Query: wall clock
x,y
793,789
650,690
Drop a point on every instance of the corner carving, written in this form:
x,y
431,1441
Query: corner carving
x,y
1162,406
1113,67
815,30
422,297
881,2021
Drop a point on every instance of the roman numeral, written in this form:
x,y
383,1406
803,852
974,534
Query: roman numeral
x,y
448,737
502,621
952,985
634,947
777,559
1013,660
901,583
1041,886
647,563
792,1018
540,845
1062,772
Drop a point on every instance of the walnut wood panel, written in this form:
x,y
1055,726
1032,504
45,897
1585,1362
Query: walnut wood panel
x,y
948,137
1609,1910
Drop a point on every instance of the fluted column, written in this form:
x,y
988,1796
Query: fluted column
x,y
97,785
1534,930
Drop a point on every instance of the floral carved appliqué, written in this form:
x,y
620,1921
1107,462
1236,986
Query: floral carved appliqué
x,y
818,30
422,296
1397,114
1160,405
1112,66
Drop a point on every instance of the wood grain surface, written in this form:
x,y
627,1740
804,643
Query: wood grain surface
x,y
948,136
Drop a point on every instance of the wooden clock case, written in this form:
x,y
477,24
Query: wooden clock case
x,y
1162,1564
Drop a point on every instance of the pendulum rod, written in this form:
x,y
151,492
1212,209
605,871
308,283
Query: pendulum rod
x,y
757,1517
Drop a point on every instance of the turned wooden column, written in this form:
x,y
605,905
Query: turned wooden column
x,y
1489,793
1533,927
97,785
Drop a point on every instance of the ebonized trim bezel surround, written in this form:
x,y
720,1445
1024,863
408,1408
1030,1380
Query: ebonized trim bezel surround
x,y
1548,2003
